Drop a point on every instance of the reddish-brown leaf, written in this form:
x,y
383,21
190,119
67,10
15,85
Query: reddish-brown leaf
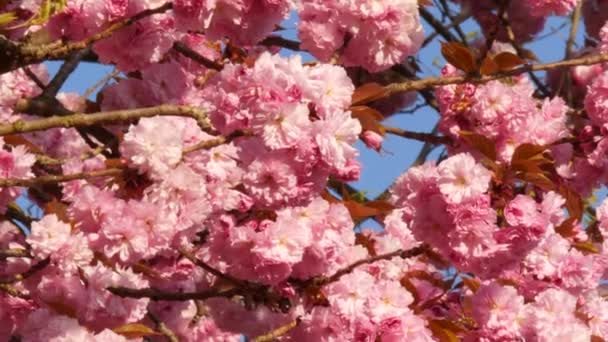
x,y
527,151
566,229
57,208
574,202
369,119
425,3
488,66
481,143
539,180
359,211
367,93
459,56
366,241
471,283
135,330
507,61
586,247
441,333
15,140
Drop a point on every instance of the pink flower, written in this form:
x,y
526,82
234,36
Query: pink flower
x,y
551,317
153,146
596,101
372,140
48,236
544,8
499,311
284,126
271,179
460,177
381,33
335,136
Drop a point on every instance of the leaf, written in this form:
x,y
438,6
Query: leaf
x,y
459,56
326,195
539,180
366,241
566,229
57,208
367,93
479,142
586,247
527,151
471,283
359,211
441,333
507,61
574,202
61,308
529,54
369,119
425,3
135,330
488,66
16,139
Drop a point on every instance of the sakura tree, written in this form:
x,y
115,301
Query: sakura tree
x,y
203,194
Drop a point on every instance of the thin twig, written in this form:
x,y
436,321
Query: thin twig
x,y
34,78
66,69
197,57
424,137
163,328
278,332
200,263
437,25
19,277
100,83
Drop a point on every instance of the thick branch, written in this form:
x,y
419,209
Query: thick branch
x,y
281,42
441,81
155,294
85,120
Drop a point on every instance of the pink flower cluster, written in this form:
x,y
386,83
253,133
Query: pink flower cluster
x,y
503,111
527,18
389,29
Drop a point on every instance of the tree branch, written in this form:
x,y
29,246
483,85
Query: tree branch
x,y
15,55
53,179
441,81
424,137
14,253
19,277
197,57
278,332
163,328
85,120
155,294
274,40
